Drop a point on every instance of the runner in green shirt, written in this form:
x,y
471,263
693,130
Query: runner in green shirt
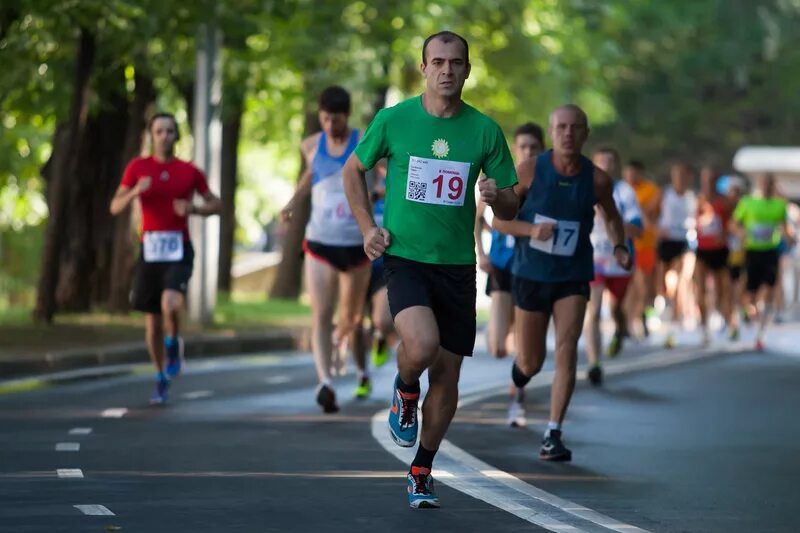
x,y
760,219
436,146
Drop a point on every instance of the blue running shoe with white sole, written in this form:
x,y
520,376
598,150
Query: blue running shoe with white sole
x,y
174,352
421,491
161,394
403,424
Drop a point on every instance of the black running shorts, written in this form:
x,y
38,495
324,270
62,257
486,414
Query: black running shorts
x,y
449,290
536,296
668,251
498,280
761,268
152,279
713,260
342,258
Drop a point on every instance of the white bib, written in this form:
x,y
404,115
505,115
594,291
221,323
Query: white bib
x,y
437,182
564,239
163,246
762,233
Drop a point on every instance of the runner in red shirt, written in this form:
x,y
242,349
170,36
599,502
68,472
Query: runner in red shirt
x,y
713,214
165,186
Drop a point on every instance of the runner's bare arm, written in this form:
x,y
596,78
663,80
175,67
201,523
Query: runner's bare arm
x,y
125,195
506,204
309,149
211,205
520,228
483,260
376,239
604,192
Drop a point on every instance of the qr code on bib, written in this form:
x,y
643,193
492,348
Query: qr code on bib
x,y
416,190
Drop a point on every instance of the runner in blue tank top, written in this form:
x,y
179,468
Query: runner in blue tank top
x,y
528,142
334,249
553,261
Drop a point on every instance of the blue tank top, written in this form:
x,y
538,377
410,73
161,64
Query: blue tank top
x,y
502,250
331,221
567,201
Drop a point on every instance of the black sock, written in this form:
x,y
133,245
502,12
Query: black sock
x,y
520,379
381,344
409,389
424,458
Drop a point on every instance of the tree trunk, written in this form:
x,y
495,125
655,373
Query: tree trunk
x,y
66,144
290,271
231,127
124,241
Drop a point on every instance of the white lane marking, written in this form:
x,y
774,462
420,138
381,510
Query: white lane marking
x,y
94,510
502,489
277,380
68,447
69,473
196,395
80,431
114,412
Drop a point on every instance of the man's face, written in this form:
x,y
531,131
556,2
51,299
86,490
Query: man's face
x,y
680,176
333,124
766,183
569,130
606,162
526,146
164,135
631,174
446,69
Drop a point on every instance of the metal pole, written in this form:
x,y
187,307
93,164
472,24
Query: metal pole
x,y
207,154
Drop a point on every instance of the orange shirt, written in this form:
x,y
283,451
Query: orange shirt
x,y
646,191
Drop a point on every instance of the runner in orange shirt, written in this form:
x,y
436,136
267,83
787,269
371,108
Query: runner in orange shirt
x,y
643,289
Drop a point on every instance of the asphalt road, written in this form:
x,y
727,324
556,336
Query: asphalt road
x,y
704,445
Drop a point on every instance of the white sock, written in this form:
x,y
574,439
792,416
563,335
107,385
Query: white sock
x,y
326,382
552,426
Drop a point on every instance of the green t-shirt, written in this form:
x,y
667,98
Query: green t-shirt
x,y
433,166
762,219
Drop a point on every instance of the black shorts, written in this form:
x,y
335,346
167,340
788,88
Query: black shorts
x,y
713,260
761,268
342,258
152,279
735,272
668,251
537,296
449,290
498,280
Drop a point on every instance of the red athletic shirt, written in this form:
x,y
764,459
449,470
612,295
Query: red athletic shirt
x,y
168,181
712,224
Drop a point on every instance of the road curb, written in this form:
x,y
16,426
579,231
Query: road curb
x,y
197,347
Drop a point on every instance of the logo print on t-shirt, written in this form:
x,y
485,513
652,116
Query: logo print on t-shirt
x,y
164,175
440,148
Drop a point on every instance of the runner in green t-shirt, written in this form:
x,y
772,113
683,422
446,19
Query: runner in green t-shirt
x,y
760,219
436,146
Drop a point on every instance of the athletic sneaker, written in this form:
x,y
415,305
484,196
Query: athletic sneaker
x,y
669,341
326,399
595,375
363,388
553,449
161,394
403,424
421,492
516,414
175,357
615,346
759,347
380,353
733,334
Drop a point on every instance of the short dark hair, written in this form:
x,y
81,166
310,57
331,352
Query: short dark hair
x,y
638,165
334,99
529,128
163,114
445,37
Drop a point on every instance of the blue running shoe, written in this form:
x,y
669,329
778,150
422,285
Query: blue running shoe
x,y
403,424
174,357
161,395
421,492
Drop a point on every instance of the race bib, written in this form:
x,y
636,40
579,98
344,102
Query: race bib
x,y
711,227
510,240
564,239
762,232
431,181
163,246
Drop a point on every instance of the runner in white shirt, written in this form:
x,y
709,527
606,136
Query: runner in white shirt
x,y
608,274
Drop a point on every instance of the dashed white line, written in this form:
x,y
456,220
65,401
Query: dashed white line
x,y
80,431
196,395
94,510
70,473
114,412
68,447
277,380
